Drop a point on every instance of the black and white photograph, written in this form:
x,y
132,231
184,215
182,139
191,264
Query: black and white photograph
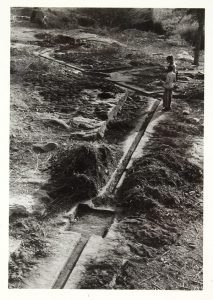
x,y
106,148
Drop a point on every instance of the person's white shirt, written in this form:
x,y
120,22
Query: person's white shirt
x,y
173,65
170,80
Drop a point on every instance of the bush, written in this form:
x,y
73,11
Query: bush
x,y
124,18
21,11
188,32
86,21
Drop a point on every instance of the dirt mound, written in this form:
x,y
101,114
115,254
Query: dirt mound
x,y
79,170
194,90
50,40
178,164
56,86
105,270
63,91
43,35
96,60
156,179
162,191
152,234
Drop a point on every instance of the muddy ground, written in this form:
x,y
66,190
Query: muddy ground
x,y
58,156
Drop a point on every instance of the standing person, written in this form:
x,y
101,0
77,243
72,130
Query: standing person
x,y
168,86
171,62
44,21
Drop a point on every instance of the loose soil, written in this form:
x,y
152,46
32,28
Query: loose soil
x,y
78,172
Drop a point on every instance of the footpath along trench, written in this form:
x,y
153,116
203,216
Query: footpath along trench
x,y
84,232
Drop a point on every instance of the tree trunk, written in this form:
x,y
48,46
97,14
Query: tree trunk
x,y
199,37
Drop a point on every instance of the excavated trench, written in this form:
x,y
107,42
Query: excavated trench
x,y
90,220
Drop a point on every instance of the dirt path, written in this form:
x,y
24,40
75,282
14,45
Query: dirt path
x,y
53,110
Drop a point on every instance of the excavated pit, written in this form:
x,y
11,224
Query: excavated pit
x,y
89,221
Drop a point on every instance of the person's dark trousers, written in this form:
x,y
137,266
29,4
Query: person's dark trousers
x,y
167,98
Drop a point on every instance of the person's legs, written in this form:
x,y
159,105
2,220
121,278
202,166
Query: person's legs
x,y
164,98
169,99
